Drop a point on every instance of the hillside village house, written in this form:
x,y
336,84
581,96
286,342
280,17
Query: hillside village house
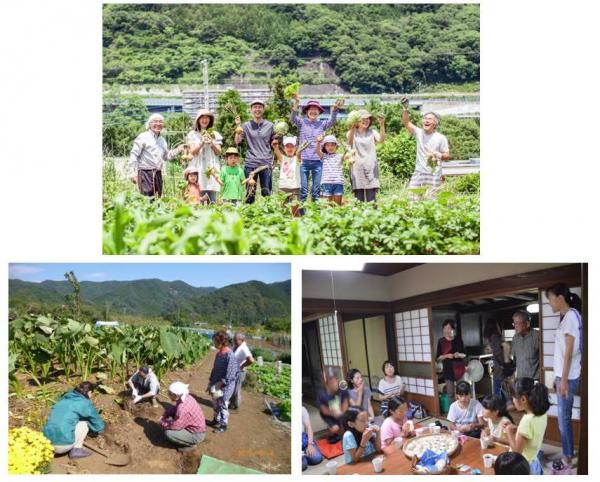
x,y
358,319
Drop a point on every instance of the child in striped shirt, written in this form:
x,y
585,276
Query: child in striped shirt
x,y
332,178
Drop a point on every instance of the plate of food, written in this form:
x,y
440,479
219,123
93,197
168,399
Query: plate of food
x,y
437,442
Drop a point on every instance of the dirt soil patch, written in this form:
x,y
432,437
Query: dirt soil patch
x,y
254,439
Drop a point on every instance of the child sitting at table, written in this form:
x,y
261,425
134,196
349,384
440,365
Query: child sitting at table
x,y
395,425
494,415
511,463
332,403
360,439
466,414
530,397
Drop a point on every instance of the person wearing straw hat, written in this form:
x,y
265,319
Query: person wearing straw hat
x,y
364,173
147,157
205,146
184,423
258,134
432,149
232,178
309,127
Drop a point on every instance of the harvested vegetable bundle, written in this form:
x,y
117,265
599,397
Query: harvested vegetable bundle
x,y
211,171
291,90
433,161
187,155
281,128
353,118
303,146
207,133
349,154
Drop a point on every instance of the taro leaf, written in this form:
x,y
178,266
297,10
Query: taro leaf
x,y
40,339
105,389
90,340
46,329
169,343
72,327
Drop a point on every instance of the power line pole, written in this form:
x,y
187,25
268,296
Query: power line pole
x,y
205,70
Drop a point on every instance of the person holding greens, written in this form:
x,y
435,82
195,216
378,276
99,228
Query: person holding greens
x,y
364,173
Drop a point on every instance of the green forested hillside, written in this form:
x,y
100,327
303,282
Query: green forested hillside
x,y
372,48
246,303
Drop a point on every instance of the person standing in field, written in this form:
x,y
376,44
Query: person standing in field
x,y
147,157
244,358
432,149
309,128
205,146
364,173
258,134
232,178
332,179
222,380
192,191
289,172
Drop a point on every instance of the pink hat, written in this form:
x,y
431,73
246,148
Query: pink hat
x,y
313,103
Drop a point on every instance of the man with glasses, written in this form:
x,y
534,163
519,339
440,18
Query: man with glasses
x,y
526,346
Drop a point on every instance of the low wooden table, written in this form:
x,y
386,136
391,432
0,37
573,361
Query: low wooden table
x,y
470,453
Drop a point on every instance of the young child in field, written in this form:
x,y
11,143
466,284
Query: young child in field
x,y
530,397
495,415
360,439
395,425
332,178
466,414
289,172
511,463
232,178
191,192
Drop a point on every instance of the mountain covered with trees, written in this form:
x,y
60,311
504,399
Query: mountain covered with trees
x,y
371,48
249,303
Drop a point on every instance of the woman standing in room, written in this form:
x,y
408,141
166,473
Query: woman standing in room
x,y
451,352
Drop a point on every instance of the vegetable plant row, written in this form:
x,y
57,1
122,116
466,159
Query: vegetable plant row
x,y
273,384
395,225
44,348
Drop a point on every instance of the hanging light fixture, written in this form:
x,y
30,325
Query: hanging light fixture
x,y
533,308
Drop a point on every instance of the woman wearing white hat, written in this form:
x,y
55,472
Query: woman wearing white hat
x,y
147,157
184,423
206,149
364,173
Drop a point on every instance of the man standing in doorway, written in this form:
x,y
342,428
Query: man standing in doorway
x,y
244,358
526,346
258,133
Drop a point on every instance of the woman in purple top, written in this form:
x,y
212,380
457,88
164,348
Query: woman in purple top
x,y
309,128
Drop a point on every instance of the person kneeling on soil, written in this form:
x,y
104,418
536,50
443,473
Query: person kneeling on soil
x,y
184,423
144,384
70,420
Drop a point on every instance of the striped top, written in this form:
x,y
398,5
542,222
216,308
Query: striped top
x,y
309,131
332,169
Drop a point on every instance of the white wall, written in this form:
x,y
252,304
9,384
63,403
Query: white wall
x,y
348,285
438,276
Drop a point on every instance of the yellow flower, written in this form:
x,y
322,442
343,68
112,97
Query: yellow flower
x,y
29,452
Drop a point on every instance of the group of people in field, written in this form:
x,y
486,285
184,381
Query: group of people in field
x,y
183,421
346,406
310,164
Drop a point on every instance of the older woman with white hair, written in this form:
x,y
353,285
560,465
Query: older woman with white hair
x,y
205,146
147,157
184,423
432,149
364,173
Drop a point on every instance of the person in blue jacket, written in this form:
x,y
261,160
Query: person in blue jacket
x,y
70,420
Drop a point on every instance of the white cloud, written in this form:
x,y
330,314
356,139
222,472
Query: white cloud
x,y
96,275
22,270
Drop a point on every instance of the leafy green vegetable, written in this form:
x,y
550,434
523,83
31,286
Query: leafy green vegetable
x,y
291,90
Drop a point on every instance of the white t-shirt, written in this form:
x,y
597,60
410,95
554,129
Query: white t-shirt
x,y
289,173
386,387
462,416
241,353
434,142
568,326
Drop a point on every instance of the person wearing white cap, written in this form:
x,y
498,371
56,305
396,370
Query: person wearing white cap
x,y
206,149
364,173
147,157
289,172
258,134
432,149
184,424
